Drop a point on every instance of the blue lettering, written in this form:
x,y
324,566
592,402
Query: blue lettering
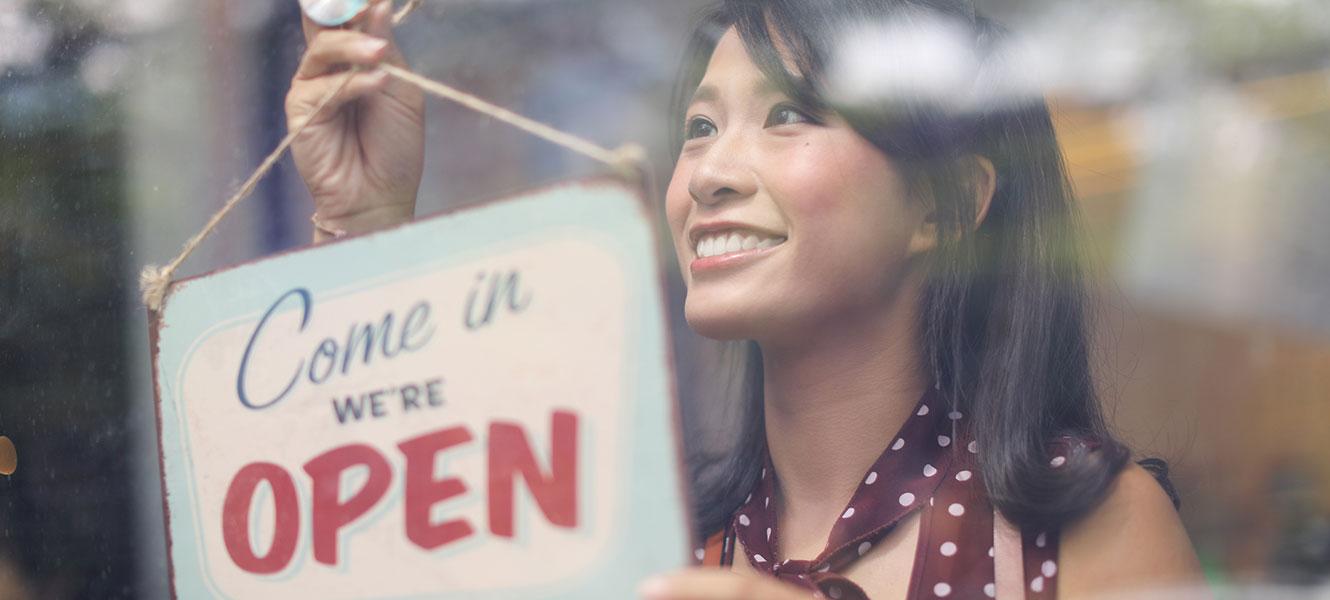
x,y
363,341
415,322
305,302
327,349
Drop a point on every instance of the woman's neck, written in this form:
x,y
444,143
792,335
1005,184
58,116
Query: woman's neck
x,y
831,403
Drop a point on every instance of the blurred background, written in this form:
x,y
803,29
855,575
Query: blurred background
x,y
1197,133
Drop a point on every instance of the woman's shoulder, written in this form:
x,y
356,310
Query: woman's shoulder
x,y
1133,538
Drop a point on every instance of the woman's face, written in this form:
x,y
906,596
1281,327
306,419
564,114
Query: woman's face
x,y
784,221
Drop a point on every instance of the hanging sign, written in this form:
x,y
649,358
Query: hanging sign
x,y
476,405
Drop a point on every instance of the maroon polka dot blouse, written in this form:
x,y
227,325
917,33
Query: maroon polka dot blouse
x,y
929,466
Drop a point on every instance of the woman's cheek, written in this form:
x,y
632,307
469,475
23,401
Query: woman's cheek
x,y
678,203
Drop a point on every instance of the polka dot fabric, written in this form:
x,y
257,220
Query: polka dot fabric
x,y
930,465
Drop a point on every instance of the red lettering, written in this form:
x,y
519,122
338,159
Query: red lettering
x,y
510,456
235,518
423,491
330,514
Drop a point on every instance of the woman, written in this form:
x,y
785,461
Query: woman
x,y
896,266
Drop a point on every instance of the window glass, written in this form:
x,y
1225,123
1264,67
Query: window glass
x,y
1196,133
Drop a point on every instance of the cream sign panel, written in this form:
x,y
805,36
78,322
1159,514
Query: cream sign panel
x,y
473,406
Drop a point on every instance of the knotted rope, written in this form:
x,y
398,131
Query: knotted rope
x,y
154,281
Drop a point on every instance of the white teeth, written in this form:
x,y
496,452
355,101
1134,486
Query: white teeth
x,y
728,242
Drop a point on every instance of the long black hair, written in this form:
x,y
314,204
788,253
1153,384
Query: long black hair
x,y
1004,306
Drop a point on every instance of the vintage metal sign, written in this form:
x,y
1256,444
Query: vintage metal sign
x,y
476,405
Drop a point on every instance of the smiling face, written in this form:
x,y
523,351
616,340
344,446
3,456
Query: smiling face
x,y
784,220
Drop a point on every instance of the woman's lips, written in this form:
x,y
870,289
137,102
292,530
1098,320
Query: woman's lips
x,y
730,260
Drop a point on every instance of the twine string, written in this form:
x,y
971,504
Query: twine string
x,y
624,158
405,11
155,281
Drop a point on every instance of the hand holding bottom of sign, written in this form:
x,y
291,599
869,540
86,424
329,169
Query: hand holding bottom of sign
x,y
719,584
361,157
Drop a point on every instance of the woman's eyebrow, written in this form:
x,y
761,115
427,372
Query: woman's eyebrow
x,y
710,93
705,93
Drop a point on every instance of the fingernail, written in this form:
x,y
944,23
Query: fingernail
x,y
374,45
653,588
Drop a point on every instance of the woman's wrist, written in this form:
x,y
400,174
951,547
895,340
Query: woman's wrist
x,y
329,228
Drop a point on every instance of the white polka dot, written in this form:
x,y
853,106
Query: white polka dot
x,y
1049,568
900,443
942,590
990,590
849,512
768,534
990,552
834,592
749,498
1037,584
963,476
759,558
956,509
1041,540
907,499
943,441
931,499
1058,461
699,553
972,447
930,470
764,472
948,549
824,568
923,410
743,520
766,502
954,415
871,478
863,548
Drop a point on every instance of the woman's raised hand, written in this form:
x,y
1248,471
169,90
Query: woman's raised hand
x,y
363,155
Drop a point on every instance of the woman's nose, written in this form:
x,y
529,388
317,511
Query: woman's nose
x,y
723,172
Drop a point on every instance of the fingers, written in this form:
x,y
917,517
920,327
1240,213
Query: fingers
x,y
333,49
305,96
379,21
717,584
363,44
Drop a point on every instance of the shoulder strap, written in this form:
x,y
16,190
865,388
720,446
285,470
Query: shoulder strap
x,y
719,549
713,549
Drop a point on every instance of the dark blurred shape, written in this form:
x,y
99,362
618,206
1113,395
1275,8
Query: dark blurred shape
x,y
1301,552
66,520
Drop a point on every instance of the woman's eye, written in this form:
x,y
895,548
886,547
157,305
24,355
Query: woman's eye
x,y
699,127
787,115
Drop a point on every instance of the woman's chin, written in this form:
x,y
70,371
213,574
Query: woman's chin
x,y
719,324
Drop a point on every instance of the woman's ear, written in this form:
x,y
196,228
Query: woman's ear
x,y
926,235
984,188
983,184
